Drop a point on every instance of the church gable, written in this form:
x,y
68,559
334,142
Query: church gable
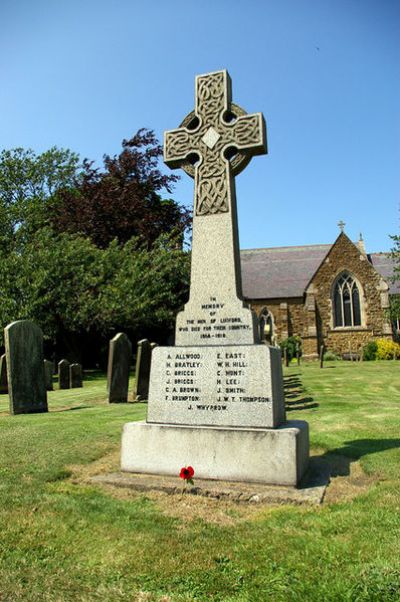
x,y
350,297
345,255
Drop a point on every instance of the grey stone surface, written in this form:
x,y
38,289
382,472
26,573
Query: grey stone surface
x,y
228,385
63,374
142,372
119,362
48,374
275,456
216,399
3,374
75,376
215,305
25,367
311,489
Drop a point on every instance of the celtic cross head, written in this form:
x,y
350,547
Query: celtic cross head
x,y
215,142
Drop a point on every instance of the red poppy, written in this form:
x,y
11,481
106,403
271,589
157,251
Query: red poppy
x,y
186,473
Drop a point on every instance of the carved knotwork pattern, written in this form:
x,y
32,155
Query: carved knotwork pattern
x,y
212,196
212,172
247,130
176,145
211,97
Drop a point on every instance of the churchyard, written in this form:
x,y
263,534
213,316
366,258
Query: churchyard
x,y
62,538
218,408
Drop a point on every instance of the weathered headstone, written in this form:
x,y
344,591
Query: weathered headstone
x,y
63,374
119,362
216,399
75,376
48,374
142,372
3,374
25,367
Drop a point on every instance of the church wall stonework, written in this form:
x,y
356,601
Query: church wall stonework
x,y
281,313
291,318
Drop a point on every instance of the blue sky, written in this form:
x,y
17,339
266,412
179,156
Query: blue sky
x,y
84,74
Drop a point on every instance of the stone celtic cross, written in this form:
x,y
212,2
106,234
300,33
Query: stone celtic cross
x,y
213,144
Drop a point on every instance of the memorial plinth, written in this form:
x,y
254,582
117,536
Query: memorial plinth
x,y
216,398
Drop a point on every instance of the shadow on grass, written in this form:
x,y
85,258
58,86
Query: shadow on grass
x,y
294,394
340,458
83,407
337,462
93,375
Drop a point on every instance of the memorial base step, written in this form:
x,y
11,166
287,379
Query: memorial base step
x,y
273,456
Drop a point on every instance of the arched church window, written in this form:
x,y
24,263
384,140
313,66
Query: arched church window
x,y
266,326
346,301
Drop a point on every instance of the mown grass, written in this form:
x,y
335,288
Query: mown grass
x,y
67,541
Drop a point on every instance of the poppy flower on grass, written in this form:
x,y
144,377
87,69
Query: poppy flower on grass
x,y
187,474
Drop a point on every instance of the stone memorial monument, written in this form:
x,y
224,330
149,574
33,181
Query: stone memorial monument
x,y
3,374
119,363
216,399
25,368
63,374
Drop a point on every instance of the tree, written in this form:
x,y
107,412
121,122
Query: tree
x,y
124,200
86,253
76,291
27,183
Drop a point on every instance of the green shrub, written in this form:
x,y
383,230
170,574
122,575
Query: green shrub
x,y
291,344
330,356
370,350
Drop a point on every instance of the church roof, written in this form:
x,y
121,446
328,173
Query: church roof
x,y
281,272
384,265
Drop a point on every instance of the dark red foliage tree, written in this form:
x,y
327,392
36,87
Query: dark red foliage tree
x,y
124,199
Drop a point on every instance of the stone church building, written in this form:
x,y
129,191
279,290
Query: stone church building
x,y
334,295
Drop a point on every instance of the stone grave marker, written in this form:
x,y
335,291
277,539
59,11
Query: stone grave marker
x,y
63,374
3,374
75,376
25,367
216,398
48,374
119,362
142,372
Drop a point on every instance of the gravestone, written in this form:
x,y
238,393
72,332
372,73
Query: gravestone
x,y
75,376
48,374
25,367
3,374
63,374
142,372
216,398
119,362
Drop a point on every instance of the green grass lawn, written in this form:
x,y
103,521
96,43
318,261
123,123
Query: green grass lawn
x,y
63,540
